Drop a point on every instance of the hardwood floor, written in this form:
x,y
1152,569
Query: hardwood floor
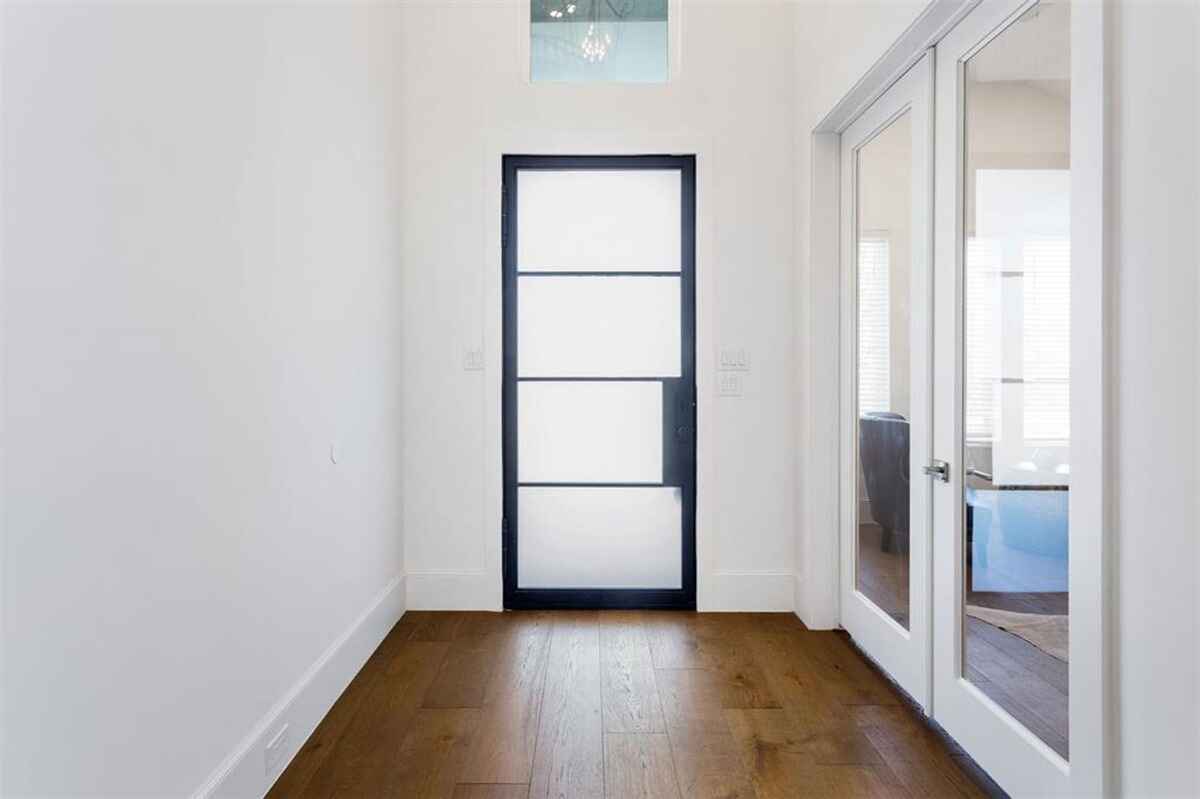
x,y
620,704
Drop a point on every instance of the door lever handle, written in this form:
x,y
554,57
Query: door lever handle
x,y
939,470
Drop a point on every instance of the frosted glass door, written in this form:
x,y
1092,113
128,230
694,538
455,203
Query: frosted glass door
x,y
599,385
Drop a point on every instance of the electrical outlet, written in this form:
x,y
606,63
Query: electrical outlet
x,y
275,750
729,385
473,360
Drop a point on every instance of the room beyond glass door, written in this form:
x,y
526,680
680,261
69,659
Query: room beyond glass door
x,y
886,312
599,381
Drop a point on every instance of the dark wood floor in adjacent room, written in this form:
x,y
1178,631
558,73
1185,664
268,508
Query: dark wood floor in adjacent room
x,y
620,704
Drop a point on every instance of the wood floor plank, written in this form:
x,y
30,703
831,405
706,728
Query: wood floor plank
x,y
914,753
431,625
569,761
785,761
639,766
674,642
493,791
631,701
430,758
321,742
468,666
503,749
743,685
808,690
708,765
364,754
692,700
821,745
847,671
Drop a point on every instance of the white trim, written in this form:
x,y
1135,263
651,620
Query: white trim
x,y
243,772
817,604
938,18
748,591
710,593
1092,695
451,589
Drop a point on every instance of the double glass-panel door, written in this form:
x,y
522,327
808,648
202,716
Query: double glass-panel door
x,y
599,381
956,582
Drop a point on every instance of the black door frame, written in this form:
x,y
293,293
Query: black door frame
x,y
679,394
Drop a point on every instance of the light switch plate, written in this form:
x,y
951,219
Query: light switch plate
x,y
734,359
729,385
473,360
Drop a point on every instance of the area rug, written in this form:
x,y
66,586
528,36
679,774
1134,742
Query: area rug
x,y
1049,633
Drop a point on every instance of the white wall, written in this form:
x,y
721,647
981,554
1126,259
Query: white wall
x,y
201,294
467,100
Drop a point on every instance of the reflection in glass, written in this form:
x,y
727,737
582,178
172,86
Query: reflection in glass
x,y
1017,316
884,214
599,40
600,537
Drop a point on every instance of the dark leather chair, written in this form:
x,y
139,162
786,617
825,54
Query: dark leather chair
x,y
883,450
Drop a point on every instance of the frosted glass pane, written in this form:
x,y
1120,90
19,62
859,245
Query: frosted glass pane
x,y
589,432
598,326
591,40
599,537
591,220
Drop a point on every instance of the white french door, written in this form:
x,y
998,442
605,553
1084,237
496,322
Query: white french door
x,y
1017,649
973,429
886,334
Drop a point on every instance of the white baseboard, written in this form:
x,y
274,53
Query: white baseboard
x,y
243,773
454,590
770,591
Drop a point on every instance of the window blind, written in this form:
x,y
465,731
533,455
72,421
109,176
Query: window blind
x,y
874,338
1046,336
982,317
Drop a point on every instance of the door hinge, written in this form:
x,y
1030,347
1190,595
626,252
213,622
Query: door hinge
x,y
503,216
503,548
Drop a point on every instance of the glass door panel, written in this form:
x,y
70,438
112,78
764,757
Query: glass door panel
x,y
1016,369
599,385
579,326
600,220
886,313
600,536
590,432
884,199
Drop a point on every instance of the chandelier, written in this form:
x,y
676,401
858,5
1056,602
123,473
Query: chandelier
x,y
596,43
